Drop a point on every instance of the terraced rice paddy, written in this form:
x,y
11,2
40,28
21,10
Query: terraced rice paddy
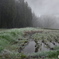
x,y
29,43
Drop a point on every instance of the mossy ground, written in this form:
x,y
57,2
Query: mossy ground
x,y
11,40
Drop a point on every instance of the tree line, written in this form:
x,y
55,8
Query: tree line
x,y
15,14
46,21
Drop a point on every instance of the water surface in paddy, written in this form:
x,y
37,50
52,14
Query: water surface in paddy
x,y
30,48
34,47
37,47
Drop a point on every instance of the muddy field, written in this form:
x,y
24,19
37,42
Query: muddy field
x,y
29,43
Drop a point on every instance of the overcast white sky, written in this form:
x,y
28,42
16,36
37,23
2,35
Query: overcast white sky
x,y
42,7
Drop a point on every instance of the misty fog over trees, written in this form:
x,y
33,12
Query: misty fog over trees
x,y
17,13
46,21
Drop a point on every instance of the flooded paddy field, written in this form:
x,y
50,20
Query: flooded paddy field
x,y
29,43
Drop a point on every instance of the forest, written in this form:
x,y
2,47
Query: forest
x,y
15,14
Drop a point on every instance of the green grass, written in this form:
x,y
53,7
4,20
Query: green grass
x,y
12,39
49,54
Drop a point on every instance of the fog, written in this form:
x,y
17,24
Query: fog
x,y
44,8
41,7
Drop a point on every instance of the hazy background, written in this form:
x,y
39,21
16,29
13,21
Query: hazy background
x,y
42,7
47,12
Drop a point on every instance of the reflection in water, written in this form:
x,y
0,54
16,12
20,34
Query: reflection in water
x,y
44,47
57,44
30,48
38,46
34,47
